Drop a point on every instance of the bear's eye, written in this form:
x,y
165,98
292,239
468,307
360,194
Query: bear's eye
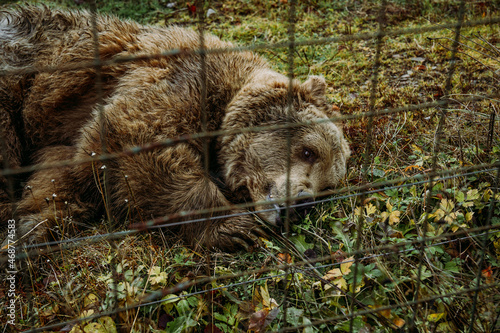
x,y
308,155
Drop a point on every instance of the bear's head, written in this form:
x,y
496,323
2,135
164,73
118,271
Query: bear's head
x,y
273,151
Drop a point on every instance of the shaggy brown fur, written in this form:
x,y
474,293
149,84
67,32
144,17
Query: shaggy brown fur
x,y
53,116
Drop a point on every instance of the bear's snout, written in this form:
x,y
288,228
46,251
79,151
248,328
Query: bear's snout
x,y
300,206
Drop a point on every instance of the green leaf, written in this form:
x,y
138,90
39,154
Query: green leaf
x,y
180,324
193,301
293,315
300,243
378,173
182,307
413,190
345,326
452,266
309,328
220,317
437,187
392,192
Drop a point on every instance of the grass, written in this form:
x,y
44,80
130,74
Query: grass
x,y
306,279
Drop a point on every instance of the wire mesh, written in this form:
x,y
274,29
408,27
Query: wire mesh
x,y
358,309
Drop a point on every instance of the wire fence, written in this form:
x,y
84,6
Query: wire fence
x,y
358,307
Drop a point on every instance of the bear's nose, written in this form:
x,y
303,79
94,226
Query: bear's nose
x,y
303,203
299,208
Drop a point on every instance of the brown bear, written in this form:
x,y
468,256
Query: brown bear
x,y
55,113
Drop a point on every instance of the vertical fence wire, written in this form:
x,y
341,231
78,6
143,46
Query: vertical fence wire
x,y
437,146
483,243
98,86
368,147
291,75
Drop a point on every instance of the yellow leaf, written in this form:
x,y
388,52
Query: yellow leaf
x,y
86,313
416,148
168,304
370,209
94,328
394,217
389,206
435,317
333,274
339,282
447,205
90,300
472,194
358,211
487,195
345,266
451,218
108,324
265,295
384,216
157,276
439,214
76,329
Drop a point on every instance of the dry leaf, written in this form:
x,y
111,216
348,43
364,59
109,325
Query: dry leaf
x,y
398,322
345,266
419,68
487,273
285,257
394,217
90,301
261,319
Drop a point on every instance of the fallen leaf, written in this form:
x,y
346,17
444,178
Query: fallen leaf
x,y
90,301
394,217
398,322
396,234
345,266
487,273
386,313
333,274
370,209
261,319
285,257
435,317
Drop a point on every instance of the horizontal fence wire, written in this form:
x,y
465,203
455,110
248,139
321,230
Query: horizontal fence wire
x,y
423,243
183,138
156,297
161,222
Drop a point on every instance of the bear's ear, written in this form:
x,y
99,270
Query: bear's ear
x,y
315,86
